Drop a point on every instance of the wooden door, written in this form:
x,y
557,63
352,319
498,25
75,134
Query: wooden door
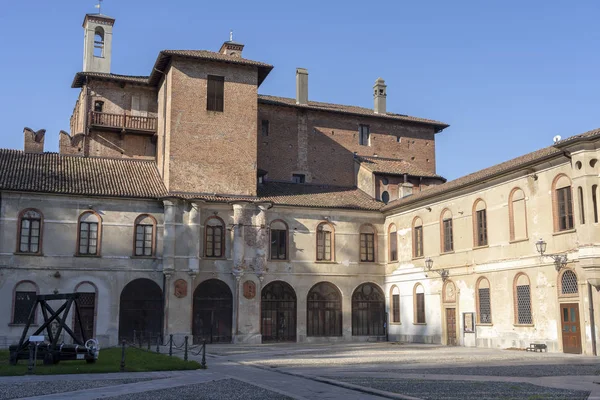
x,y
571,335
451,326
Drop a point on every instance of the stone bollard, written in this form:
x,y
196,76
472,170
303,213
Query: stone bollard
x,y
123,356
185,354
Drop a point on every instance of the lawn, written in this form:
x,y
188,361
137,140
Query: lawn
x,y
136,360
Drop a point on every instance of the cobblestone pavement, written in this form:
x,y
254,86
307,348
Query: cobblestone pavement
x,y
348,371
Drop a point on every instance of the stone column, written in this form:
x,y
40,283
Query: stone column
x,y
170,207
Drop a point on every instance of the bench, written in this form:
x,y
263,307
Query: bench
x,y
537,346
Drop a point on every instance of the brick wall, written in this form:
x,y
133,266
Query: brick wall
x,y
325,151
210,151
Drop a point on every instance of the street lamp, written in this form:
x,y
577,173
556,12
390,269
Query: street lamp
x,y
444,273
560,260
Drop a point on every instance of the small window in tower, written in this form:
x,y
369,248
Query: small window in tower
x,y
298,178
98,106
265,127
99,42
215,93
364,135
385,197
385,181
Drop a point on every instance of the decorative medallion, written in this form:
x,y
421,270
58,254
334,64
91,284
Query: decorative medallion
x,y
249,290
450,292
180,288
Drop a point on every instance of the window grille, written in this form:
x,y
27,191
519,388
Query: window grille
x,y
324,311
524,305
485,309
29,240
418,241
367,247
24,301
565,208
568,283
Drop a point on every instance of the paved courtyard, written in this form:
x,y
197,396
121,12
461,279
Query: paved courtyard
x,y
337,371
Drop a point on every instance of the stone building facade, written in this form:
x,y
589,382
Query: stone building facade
x,y
185,203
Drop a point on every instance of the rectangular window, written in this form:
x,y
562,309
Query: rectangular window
x,y
524,305
98,106
418,234
24,301
420,308
215,92
323,246
265,127
482,228
485,310
88,238
395,308
298,178
367,247
143,240
565,208
278,244
448,243
364,135
581,206
393,246
595,202
214,241
30,235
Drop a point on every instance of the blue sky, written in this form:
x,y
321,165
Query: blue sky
x,y
507,76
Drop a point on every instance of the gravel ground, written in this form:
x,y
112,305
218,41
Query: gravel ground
x,y
428,389
30,389
534,371
230,389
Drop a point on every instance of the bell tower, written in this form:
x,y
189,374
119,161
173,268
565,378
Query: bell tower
x,y
97,47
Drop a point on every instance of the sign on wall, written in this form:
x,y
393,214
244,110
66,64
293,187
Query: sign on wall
x,y
469,322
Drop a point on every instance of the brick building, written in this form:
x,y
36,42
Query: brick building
x,y
185,203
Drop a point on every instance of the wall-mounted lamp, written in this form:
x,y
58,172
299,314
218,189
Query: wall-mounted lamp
x,y
444,273
428,209
57,274
560,260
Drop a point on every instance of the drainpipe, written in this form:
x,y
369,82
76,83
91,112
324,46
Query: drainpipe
x,y
592,322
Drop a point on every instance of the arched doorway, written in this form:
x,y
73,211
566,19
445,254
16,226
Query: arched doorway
x,y
278,313
213,312
324,310
141,311
368,311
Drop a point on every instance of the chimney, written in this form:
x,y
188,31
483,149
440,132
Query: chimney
x,y
301,86
33,141
380,94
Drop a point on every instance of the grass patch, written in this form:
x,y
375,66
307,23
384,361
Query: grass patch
x,y
136,360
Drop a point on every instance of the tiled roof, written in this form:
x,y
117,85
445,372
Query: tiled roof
x,y
76,175
393,167
81,77
299,195
487,173
315,105
165,56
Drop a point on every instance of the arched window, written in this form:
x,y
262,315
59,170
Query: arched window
x,y
368,310
84,325
563,204
395,304
367,243
522,292
214,237
89,234
568,283
595,202
324,310
325,242
517,215
25,293
417,237
279,240
385,197
447,242
30,232
419,304
480,237
393,242
484,305
99,42
145,236
581,207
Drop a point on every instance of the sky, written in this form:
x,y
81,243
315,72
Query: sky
x,y
507,75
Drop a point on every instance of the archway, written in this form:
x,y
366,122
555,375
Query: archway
x,y
213,312
141,311
278,313
368,311
324,310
